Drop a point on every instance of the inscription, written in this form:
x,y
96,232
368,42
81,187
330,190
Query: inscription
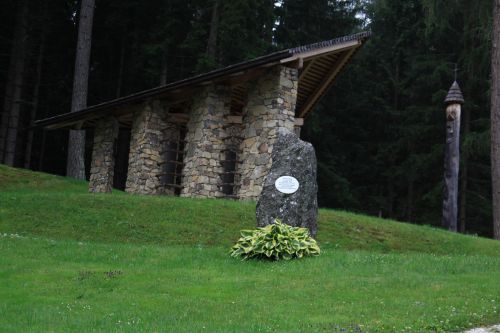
x,y
287,184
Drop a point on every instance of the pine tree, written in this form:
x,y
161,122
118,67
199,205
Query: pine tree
x,y
14,88
495,119
76,145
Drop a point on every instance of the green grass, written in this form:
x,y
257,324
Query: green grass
x,y
119,262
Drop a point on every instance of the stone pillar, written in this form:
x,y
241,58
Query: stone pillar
x,y
103,159
145,158
205,143
271,105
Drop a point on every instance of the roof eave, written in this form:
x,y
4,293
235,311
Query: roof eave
x,y
77,119
68,119
315,53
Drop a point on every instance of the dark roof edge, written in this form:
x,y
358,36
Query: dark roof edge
x,y
331,42
263,60
276,56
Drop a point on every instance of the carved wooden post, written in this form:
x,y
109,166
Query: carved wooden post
x,y
453,101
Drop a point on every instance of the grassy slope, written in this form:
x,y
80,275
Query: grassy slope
x,y
176,276
39,204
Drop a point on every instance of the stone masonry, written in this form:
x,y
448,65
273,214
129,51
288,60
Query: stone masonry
x,y
103,161
271,105
221,158
205,143
145,157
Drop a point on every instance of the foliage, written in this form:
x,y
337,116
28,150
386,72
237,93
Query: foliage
x,y
306,21
379,133
275,241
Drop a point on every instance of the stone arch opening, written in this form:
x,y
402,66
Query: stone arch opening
x,y
121,155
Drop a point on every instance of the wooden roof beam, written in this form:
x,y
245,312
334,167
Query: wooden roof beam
x,y
307,68
325,83
179,118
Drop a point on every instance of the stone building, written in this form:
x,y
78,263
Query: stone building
x,y
210,135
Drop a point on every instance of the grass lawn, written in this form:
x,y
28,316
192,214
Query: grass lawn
x,y
72,262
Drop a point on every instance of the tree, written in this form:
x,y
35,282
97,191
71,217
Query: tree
x,y
302,22
244,30
14,88
75,166
34,106
214,26
495,119
379,133
461,33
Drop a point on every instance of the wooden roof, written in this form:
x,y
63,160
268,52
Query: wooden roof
x,y
318,63
454,95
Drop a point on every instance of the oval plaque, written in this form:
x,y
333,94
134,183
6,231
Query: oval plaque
x,y
287,184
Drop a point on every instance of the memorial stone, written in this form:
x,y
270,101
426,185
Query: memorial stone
x,y
290,188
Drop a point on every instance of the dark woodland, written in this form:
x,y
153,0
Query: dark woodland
x,y
379,132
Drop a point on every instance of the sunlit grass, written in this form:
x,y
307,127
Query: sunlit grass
x,y
67,286
77,262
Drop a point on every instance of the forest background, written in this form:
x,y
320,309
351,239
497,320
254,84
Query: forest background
x,y
379,133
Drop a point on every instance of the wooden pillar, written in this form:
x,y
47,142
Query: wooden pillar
x,y
453,101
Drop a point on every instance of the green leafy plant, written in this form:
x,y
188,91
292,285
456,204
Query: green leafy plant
x,y
275,242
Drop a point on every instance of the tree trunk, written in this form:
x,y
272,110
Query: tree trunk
x,y
410,192
214,29
75,166
41,158
495,119
268,32
34,109
13,90
9,87
390,198
164,67
119,80
410,200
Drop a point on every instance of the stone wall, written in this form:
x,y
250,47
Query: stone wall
x,y
214,143
145,157
205,143
271,105
103,159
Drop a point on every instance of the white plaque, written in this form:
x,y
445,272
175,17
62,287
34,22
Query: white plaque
x,y
287,184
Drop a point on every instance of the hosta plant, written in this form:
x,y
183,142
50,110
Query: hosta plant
x,y
275,242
